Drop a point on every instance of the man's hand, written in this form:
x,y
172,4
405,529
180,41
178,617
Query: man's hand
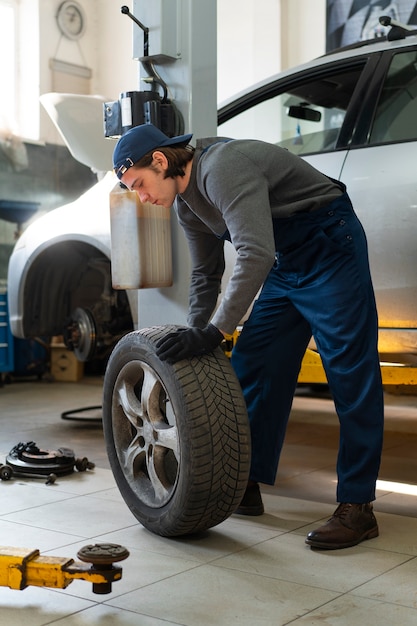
x,y
187,342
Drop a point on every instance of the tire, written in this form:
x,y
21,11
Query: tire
x,y
177,436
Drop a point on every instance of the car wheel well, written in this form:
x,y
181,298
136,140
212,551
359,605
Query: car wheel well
x,y
71,276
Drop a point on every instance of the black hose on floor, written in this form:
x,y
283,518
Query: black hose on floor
x,y
75,414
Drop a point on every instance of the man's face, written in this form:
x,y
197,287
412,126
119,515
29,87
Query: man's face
x,y
150,184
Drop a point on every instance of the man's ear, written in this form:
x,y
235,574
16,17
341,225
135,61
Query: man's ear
x,y
160,159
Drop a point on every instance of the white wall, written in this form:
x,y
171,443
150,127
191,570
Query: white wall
x,y
259,38
303,34
116,70
248,43
256,38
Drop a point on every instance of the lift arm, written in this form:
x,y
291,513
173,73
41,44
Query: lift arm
x,y
312,371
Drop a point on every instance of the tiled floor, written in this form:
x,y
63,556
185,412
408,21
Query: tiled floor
x,y
245,571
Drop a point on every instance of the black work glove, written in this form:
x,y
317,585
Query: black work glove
x,y
187,342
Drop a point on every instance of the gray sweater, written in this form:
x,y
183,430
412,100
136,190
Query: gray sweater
x,y
236,188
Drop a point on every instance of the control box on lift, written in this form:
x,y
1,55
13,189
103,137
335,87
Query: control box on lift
x,y
138,107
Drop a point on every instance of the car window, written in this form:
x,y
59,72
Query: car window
x,y
305,118
396,114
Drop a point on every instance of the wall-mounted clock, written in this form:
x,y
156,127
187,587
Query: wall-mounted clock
x,y
71,19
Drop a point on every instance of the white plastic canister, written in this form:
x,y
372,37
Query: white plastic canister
x,y
141,251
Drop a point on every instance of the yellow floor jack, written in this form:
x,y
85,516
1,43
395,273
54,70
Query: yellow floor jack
x,y
21,567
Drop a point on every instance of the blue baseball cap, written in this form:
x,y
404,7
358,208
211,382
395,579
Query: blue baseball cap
x,y
137,142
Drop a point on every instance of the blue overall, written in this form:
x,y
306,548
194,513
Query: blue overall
x,y
320,285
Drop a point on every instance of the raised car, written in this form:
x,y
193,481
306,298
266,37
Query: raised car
x,y
351,113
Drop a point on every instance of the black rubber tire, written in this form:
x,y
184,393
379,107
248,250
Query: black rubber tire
x,y
177,436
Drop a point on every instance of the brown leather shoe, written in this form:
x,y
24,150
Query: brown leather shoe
x,y
349,525
251,503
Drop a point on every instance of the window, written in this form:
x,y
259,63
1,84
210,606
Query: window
x,y
20,68
305,119
8,65
396,115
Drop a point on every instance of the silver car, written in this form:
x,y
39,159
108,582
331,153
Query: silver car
x,y
351,113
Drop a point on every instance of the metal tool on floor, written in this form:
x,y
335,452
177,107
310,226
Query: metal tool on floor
x,y
22,567
27,459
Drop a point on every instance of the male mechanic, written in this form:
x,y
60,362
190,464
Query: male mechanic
x,y
297,237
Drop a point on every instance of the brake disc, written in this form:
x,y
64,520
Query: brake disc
x,y
28,458
80,334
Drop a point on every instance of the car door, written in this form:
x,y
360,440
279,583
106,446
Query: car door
x,y
380,169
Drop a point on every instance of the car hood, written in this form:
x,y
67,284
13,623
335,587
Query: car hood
x,y
79,120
